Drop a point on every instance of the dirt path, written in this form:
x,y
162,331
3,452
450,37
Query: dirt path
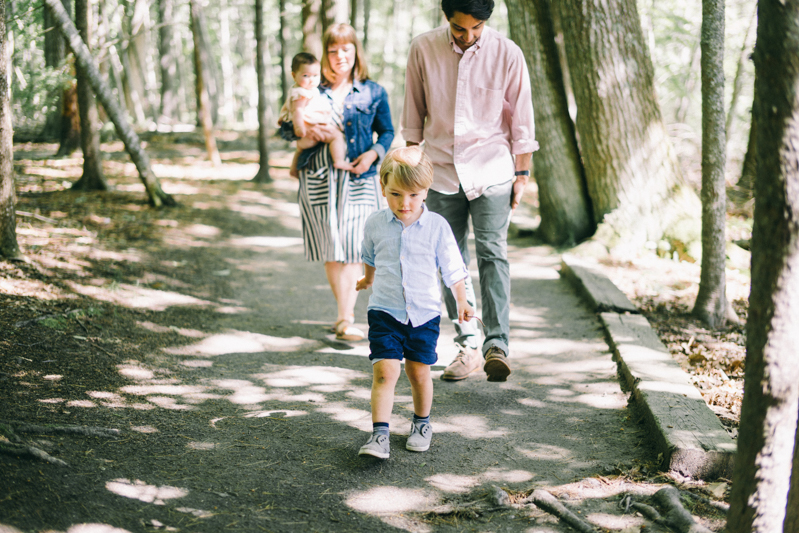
x,y
240,411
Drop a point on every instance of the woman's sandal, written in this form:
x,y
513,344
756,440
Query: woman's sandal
x,y
345,331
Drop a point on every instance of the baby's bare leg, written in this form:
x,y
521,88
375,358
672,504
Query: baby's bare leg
x,y
338,150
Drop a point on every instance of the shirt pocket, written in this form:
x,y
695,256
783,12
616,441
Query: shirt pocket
x,y
488,105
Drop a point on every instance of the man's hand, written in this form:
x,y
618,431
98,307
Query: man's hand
x,y
364,162
518,191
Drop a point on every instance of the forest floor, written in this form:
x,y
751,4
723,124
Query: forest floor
x,y
201,334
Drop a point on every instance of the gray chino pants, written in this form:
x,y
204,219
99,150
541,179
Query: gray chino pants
x,y
490,214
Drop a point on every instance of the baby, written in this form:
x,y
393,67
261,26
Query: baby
x,y
307,107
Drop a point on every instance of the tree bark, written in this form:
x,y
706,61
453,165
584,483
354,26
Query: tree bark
x,y
168,62
634,180
93,178
354,14
564,205
761,488
210,70
203,110
262,51
54,53
367,10
333,12
284,72
69,135
134,60
311,27
711,302
9,249
132,143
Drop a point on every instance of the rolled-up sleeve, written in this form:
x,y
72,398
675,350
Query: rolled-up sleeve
x,y
450,261
414,109
520,98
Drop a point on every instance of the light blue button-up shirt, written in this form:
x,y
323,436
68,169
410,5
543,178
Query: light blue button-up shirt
x,y
407,262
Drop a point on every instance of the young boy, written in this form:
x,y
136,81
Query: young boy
x,y
306,107
404,248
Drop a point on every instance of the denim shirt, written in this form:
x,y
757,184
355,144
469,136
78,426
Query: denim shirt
x,y
407,262
366,112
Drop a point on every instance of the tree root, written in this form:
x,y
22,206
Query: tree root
x,y
10,448
677,516
22,427
550,504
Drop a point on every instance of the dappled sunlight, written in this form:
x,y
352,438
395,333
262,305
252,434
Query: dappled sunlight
x,y
360,350
470,427
201,445
244,392
136,297
545,452
242,342
527,271
144,429
379,501
203,231
171,404
501,475
156,328
95,528
200,172
264,242
303,376
453,483
81,403
135,372
198,513
629,522
360,419
197,363
139,490
549,346
529,318
284,413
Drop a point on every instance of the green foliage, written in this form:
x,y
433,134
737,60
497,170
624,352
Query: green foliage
x,y
35,88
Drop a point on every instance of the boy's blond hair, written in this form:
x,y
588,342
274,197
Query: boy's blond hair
x,y
411,168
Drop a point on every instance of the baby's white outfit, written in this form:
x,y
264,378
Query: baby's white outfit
x,y
318,110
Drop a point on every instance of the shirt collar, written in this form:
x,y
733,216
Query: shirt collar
x,y
474,48
422,220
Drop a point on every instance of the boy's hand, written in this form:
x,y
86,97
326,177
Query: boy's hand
x,y
465,312
362,284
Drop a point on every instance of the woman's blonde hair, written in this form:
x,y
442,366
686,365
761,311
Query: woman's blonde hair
x,y
409,166
344,34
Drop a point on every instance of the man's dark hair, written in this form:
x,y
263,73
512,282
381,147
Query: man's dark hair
x,y
479,9
303,58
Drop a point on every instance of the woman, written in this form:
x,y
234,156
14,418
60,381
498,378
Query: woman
x,y
334,204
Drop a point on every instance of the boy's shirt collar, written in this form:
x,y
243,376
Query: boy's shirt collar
x,y
421,220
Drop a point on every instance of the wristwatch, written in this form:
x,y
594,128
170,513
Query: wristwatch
x,y
522,173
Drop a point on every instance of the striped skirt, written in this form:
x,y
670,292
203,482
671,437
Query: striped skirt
x,y
334,209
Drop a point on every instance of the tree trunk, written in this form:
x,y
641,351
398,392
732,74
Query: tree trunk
x,y
284,72
226,109
746,182
564,205
738,81
711,302
168,62
333,12
210,70
761,488
93,178
203,111
132,143
311,27
354,14
54,53
634,180
9,249
134,60
262,51
367,10
69,135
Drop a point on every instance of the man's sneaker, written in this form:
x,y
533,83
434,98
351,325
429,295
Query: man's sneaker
x,y
466,362
419,440
496,365
376,446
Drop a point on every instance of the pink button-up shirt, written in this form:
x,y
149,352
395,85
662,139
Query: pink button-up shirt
x,y
472,109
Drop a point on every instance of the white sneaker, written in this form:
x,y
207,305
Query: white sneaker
x,y
421,435
377,446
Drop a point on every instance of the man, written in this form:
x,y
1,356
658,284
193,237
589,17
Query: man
x,y
468,98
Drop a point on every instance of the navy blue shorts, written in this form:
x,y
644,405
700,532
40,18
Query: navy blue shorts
x,y
391,339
